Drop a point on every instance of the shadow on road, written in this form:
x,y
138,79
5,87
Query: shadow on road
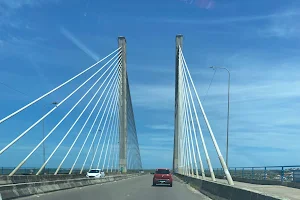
x,y
160,185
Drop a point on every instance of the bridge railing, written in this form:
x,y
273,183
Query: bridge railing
x,y
273,173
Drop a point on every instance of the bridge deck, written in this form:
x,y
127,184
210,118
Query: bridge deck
x,y
274,190
130,189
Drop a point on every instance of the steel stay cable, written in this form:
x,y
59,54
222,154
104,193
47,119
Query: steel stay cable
x,y
191,152
112,143
131,115
115,79
131,122
195,137
114,149
181,113
189,130
221,159
109,126
87,105
110,135
200,131
65,116
182,118
185,149
129,158
186,124
48,113
96,132
53,90
189,157
109,114
117,150
189,149
70,172
186,157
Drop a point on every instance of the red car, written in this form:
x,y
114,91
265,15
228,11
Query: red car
x,y
162,176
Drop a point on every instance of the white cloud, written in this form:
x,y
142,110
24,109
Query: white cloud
x,y
267,85
280,24
281,30
153,69
153,96
163,139
281,90
161,127
273,139
156,148
284,27
163,156
78,43
237,19
263,106
207,4
263,109
157,138
16,4
9,9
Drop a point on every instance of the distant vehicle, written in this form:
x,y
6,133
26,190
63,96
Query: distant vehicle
x,y
163,176
95,173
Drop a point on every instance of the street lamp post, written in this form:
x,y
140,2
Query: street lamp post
x,y
215,68
44,150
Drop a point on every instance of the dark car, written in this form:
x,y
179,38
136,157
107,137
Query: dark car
x,y
162,176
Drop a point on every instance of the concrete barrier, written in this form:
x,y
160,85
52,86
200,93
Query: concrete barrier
x,y
12,191
219,191
5,180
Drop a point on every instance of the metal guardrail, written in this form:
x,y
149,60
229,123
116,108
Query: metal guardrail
x,y
274,173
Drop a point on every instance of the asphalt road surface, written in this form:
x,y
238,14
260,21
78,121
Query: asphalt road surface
x,y
138,188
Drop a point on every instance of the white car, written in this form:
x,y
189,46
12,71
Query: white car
x,y
95,173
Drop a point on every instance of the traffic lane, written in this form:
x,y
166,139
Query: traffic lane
x,y
179,191
131,189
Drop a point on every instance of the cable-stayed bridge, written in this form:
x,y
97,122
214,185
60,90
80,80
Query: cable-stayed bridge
x,y
100,133
186,159
108,112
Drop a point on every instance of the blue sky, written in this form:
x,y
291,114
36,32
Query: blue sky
x,y
45,42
